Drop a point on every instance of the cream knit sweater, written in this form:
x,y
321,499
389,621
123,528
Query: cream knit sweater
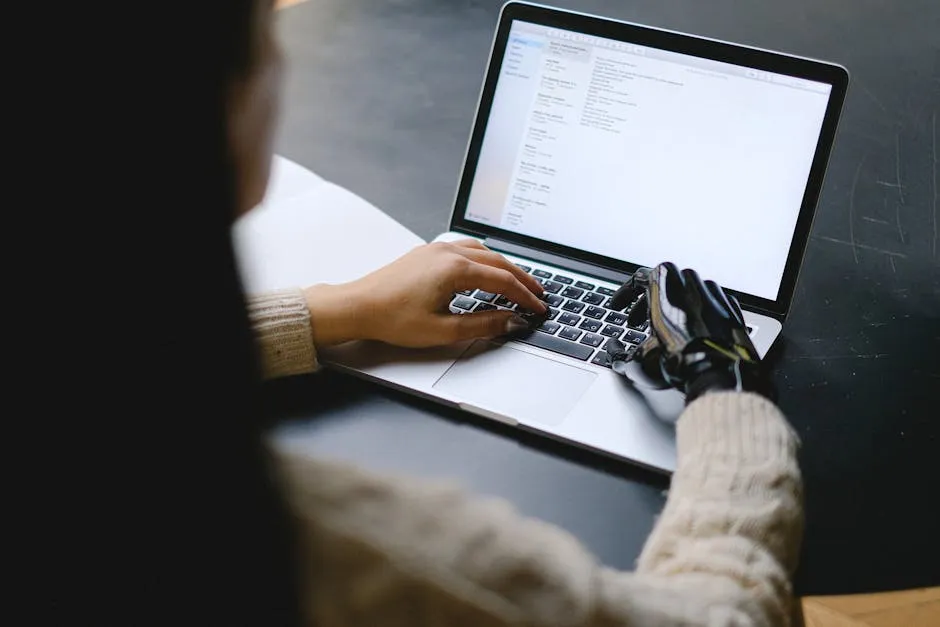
x,y
384,551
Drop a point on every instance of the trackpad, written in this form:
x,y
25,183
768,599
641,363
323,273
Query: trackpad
x,y
516,384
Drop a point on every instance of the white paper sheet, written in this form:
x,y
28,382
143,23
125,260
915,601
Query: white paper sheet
x,y
288,179
308,230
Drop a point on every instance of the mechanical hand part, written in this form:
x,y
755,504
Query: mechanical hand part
x,y
627,293
619,355
698,338
639,314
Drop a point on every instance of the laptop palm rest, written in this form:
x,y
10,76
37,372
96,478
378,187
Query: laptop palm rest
x,y
514,384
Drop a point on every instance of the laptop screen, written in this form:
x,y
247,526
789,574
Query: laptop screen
x,y
647,155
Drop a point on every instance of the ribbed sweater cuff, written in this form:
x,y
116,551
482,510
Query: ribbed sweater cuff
x,y
743,426
281,322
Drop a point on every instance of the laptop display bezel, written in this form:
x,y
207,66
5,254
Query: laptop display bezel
x,y
780,63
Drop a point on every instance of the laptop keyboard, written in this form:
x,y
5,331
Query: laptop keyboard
x,y
580,321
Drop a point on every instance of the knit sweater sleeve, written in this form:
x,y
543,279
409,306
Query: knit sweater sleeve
x,y
281,322
392,551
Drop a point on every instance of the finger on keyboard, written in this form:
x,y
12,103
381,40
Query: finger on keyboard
x,y
500,281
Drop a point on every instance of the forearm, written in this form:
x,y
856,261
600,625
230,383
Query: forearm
x,y
337,312
292,324
398,552
734,514
401,552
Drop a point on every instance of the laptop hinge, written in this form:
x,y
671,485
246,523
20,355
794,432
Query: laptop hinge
x,y
574,265
557,260
779,317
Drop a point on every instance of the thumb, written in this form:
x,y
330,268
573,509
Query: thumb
x,y
481,324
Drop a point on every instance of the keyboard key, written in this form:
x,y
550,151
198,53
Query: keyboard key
x,y
605,291
591,339
502,301
628,341
573,306
611,331
570,333
462,302
595,312
634,337
593,298
484,307
601,359
558,345
548,327
569,318
542,274
608,344
572,292
466,292
486,297
615,318
563,279
553,299
551,287
584,285
551,314
524,268
591,325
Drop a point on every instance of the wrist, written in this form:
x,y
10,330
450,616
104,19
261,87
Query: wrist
x,y
714,380
731,376
336,314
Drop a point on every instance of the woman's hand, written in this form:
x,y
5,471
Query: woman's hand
x,y
406,302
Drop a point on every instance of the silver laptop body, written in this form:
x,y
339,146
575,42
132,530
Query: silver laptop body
x,y
599,147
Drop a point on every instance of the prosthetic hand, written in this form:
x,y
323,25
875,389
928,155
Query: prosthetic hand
x,y
698,341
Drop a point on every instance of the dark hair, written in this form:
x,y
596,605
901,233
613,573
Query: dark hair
x,y
166,508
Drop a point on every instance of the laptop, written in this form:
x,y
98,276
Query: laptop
x,y
601,147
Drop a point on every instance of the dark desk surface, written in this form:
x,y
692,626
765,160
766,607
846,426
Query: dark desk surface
x,y
380,99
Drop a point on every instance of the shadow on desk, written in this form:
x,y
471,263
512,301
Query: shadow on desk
x,y
609,505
